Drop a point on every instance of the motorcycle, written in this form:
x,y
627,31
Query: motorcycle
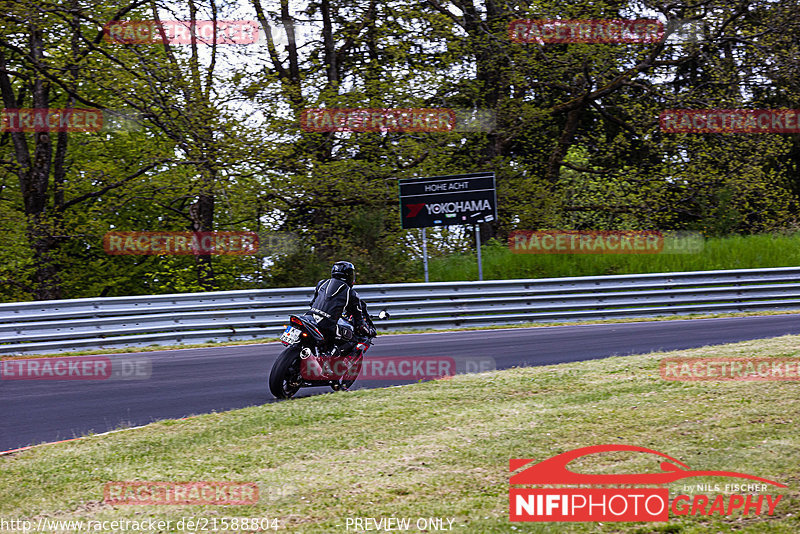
x,y
306,362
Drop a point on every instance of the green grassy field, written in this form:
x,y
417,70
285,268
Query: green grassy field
x,y
734,252
436,449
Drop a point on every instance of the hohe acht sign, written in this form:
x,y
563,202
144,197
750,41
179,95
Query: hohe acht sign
x,y
447,200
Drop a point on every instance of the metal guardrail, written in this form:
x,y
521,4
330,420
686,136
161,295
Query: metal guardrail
x,y
99,323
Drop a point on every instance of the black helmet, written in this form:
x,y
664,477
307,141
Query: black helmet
x,y
344,270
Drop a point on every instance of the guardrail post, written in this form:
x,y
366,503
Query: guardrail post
x,y
425,254
478,240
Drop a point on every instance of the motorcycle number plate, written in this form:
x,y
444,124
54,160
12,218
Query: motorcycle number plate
x,y
290,335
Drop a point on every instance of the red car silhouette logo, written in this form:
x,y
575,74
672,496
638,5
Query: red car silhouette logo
x,y
554,470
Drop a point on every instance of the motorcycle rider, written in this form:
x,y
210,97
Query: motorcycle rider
x,y
333,298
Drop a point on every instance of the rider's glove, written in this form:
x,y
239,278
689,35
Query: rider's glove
x,y
367,330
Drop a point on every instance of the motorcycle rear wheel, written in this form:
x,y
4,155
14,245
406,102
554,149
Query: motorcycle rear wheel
x,y
284,378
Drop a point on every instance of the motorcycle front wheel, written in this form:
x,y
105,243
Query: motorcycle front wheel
x,y
285,379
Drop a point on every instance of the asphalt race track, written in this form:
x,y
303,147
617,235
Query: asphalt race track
x,y
194,381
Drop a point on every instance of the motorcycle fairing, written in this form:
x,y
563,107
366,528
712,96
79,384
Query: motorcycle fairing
x,y
309,327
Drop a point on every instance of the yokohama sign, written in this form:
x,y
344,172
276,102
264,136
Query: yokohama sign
x,y
448,200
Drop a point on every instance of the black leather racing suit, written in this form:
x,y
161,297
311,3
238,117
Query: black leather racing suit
x,y
332,298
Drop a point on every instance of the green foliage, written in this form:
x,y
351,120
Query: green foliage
x,y
215,142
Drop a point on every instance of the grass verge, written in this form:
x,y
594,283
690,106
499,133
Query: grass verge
x,y
437,449
719,253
